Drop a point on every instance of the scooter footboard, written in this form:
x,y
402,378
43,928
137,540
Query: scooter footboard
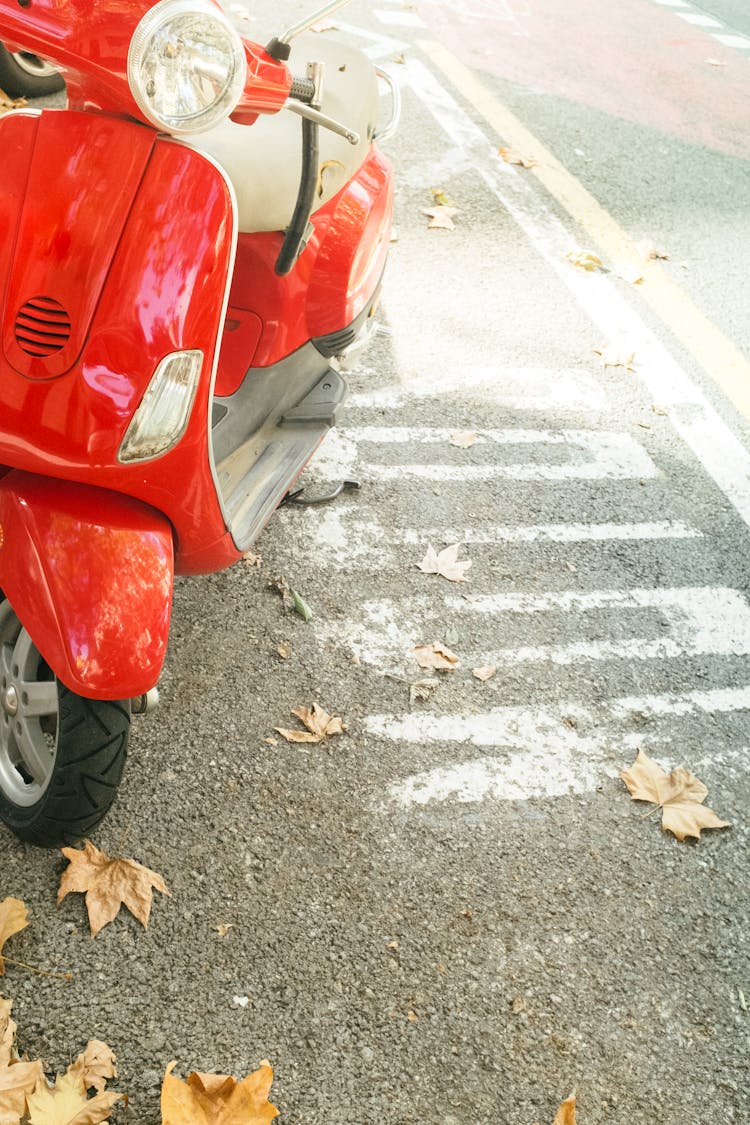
x,y
89,574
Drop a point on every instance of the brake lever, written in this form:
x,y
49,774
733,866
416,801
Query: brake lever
x,y
322,119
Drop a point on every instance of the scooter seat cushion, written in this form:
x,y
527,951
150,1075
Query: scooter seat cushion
x,y
264,160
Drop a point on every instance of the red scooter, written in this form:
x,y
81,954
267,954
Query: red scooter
x,y
181,265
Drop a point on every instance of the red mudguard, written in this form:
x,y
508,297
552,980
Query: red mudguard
x,y
89,573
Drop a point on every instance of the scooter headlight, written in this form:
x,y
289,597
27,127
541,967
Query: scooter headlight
x,y
186,66
162,418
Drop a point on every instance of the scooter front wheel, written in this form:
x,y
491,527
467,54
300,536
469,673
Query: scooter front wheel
x,y
61,756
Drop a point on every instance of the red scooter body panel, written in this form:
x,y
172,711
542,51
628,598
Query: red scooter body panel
x,y
169,252
90,575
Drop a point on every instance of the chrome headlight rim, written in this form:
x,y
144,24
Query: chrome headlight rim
x,y
155,21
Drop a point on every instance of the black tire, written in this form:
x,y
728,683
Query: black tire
x,y
21,81
61,756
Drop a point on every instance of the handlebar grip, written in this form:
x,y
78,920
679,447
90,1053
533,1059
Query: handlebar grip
x,y
303,89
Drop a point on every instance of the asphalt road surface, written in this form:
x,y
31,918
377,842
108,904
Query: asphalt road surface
x,y
453,914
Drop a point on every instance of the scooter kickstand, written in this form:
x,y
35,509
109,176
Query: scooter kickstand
x,y
297,496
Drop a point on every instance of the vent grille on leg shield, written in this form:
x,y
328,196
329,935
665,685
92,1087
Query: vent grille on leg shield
x,y
42,327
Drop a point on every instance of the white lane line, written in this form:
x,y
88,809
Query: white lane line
x,y
381,46
516,388
739,42
586,455
687,621
547,752
699,20
690,412
342,538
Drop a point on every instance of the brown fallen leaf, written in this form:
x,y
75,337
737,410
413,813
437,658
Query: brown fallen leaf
x,y
17,1079
95,1066
421,691
613,356
463,439
217,1099
320,725
436,656
441,198
223,928
679,794
584,260
252,559
13,919
108,884
441,217
445,563
67,1101
510,156
284,649
486,672
566,1114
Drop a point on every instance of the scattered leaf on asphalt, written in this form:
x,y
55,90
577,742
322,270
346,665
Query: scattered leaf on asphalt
x,y
13,919
441,218
17,1079
649,251
95,1066
445,563
67,1102
486,672
566,1114
584,260
629,272
320,725
679,794
659,410
300,606
510,156
7,102
463,439
223,928
108,884
284,649
613,356
217,1099
435,656
421,691
252,559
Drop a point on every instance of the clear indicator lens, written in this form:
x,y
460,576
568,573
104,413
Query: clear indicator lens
x,y
161,419
186,66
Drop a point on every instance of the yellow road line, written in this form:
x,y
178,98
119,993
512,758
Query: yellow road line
x,y
718,356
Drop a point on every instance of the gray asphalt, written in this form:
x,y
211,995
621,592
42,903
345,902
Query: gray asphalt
x,y
440,919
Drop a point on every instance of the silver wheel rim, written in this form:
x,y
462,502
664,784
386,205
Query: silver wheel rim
x,y
29,713
33,65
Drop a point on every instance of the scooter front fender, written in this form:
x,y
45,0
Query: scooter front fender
x,y
89,573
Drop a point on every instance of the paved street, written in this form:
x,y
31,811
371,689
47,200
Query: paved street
x,y
453,914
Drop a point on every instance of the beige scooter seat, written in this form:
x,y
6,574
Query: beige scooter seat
x,y
264,160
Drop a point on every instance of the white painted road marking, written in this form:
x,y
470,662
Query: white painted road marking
x,y
590,455
687,621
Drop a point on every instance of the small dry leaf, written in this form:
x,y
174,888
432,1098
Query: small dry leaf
x,y
412,1017
445,563
252,559
67,1102
284,650
320,725
217,1099
421,691
95,1066
7,102
679,794
584,260
441,218
518,1005
441,198
223,928
566,1114
510,156
17,1079
108,884
629,272
392,945
486,672
271,741
613,356
649,252
435,656
463,439
659,410
13,919
399,58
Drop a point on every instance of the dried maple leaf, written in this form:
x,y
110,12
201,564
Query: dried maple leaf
x,y
445,564
12,919
679,794
566,1114
584,260
68,1103
108,884
17,1079
486,672
463,439
616,357
217,1099
510,156
95,1066
441,218
318,722
436,656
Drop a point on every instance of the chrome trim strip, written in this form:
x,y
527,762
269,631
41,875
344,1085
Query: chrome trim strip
x,y
385,134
